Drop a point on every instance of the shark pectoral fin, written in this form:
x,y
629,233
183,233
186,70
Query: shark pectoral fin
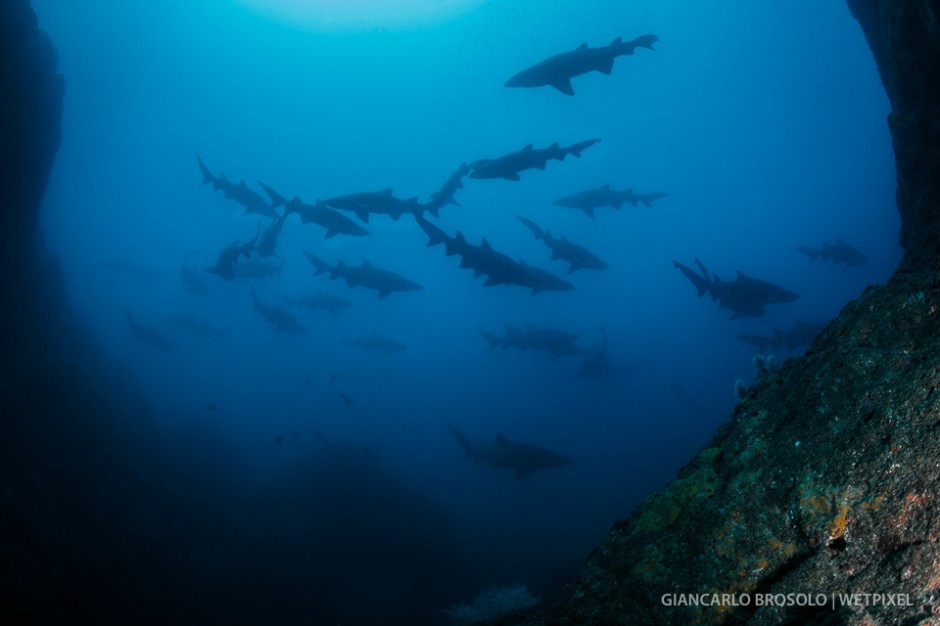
x,y
606,67
383,294
514,175
363,215
564,86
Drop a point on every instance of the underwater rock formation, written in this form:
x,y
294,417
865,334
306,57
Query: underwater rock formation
x,y
101,519
904,36
825,481
30,127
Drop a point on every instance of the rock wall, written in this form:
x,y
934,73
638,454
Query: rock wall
x,y
904,36
30,128
826,481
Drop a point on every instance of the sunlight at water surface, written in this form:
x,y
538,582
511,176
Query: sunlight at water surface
x,y
361,15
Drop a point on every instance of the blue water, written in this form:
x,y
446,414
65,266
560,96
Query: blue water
x,y
764,122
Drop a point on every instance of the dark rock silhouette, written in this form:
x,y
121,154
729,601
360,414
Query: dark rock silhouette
x,y
904,37
30,125
106,518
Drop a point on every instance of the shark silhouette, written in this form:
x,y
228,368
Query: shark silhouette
x,y
521,458
558,70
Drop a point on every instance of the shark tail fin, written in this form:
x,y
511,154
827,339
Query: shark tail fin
x,y
812,253
465,443
319,265
276,198
293,206
645,41
704,273
701,284
435,234
207,177
581,146
538,232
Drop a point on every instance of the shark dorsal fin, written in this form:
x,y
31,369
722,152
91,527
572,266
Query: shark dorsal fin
x,y
606,187
528,147
616,41
243,184
742,275
366,264
460,238
501,438
386,192
582,46
485,244
554,146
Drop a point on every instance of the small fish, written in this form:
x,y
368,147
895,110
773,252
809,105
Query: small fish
x,y
278,440
212,407
333,378
349,401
